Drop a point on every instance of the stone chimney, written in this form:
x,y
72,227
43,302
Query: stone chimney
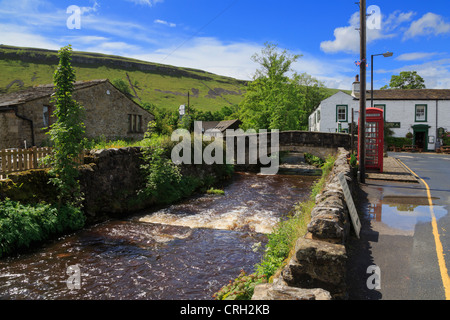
x,y
356,87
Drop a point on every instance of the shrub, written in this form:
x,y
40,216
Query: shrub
x,y
164,181
163,177
446,139
313,160
398,142
22,225
241,288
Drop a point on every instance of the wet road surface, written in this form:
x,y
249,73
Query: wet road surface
x,y
398,235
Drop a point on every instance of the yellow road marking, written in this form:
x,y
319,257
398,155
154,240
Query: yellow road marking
x,y
437,239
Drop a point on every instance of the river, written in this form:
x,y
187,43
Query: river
x,y
185,251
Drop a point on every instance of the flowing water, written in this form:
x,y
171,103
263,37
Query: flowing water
x,y
185,251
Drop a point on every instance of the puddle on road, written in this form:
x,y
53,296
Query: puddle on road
x,y
404,213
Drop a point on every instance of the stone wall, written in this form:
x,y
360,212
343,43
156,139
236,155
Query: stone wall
x,y
14,131
110,181
317,270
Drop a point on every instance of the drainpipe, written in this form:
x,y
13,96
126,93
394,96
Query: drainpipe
x,y
437,127
29,120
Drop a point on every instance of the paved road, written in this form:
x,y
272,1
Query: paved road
x,y
398,234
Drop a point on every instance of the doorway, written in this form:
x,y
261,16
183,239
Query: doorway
x,y
421,136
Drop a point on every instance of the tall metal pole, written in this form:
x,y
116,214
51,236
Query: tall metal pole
x,y
371,81
362,97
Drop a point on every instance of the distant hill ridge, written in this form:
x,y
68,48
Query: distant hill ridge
x,y
159,84
79,58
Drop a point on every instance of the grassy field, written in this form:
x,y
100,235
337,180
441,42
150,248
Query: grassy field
x,y
162,85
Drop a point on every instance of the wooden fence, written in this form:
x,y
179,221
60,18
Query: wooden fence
x,y
16,160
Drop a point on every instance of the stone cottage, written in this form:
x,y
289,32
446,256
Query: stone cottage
x,y
25,116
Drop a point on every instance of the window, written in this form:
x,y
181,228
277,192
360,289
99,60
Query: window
x,y
134,123
45,116
139,124
421,113
341,113
318,116
382,107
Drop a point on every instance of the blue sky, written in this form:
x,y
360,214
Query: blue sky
x,y
221,36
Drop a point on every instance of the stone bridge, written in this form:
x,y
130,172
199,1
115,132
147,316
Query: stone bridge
x,y
320,144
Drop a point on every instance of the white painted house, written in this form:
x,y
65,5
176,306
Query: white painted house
x,y
421,112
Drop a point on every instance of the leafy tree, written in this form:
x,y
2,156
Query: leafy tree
x,y
273,100
122,86
314,93
165,121
67,132
406,80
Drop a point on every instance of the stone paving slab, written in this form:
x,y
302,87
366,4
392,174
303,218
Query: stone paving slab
x,y
393,170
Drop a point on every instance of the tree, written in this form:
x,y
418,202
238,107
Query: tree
x,y
122,86
273,100
406,80
314,92
67,132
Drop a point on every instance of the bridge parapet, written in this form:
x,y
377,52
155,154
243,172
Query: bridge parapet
x,y
320,144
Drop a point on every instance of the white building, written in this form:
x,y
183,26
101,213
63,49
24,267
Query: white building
x,y
421,112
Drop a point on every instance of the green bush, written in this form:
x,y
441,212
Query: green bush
x,y
446,139
398,142
241,288
313,160
22,225
164,181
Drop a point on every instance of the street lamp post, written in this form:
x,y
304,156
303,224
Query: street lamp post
x,y
362,93
386,54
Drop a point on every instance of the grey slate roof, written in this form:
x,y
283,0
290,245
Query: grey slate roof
x,y
409,94
19,97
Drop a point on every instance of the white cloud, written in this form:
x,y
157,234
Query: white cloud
x,y
333,73
234,60
429,24
347,39
21,36
436,73
113,47
149,3
94,8
170,24
209,54
396,19
415,56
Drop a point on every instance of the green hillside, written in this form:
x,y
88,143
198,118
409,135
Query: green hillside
x,y
162,85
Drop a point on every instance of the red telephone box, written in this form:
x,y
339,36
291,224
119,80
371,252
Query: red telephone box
x,y
374,139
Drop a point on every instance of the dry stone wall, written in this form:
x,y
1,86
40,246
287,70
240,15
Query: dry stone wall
x,y
317,269
110,181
